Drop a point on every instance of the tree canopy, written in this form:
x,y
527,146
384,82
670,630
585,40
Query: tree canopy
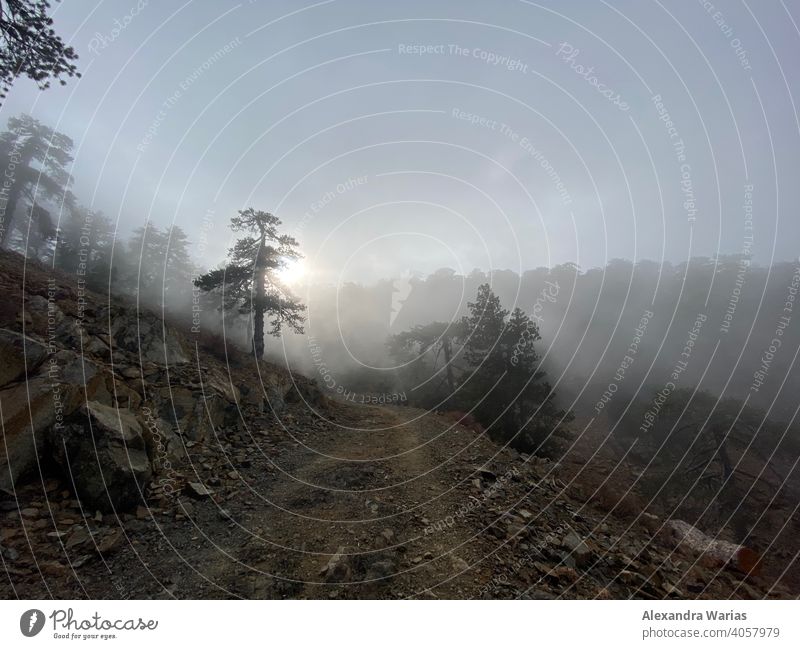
x,y
36,159
29,46
491,370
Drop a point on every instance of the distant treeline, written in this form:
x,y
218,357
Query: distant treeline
x,y
623,329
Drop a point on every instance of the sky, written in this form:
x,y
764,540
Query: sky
x,y
399,138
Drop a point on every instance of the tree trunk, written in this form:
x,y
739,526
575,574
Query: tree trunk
x,y
258,332
259,305
448,356
8,217
722,452
15,191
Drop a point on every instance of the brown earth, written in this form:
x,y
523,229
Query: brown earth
x,y
356,502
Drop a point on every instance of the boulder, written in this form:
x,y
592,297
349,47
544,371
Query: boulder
x,y
146,337
101,450
198,414
279,389
156,342
30,410
21,356
223,385
165,448
165,349
713,552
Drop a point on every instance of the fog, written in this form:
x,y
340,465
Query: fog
x,y
622,328
393,142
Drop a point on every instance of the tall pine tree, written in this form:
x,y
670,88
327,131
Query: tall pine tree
x,y
249,283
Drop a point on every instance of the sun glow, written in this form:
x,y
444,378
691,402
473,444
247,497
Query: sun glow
x,y
294,272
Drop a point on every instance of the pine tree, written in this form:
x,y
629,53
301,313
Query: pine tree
x,y
484,328
435,341
505,386
29,46
35,158
85,238
178,269
248,283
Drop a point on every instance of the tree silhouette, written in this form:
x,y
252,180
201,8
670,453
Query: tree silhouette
x,y
248,283
505,387
436,339
35,158
30,47
157,267
84,245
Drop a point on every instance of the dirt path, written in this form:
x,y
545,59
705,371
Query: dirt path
x,y
359,506
358,502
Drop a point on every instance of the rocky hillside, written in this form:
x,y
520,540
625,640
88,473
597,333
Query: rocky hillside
x,y
140,460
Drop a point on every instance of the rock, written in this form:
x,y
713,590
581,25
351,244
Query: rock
x,y
165,448
80,535
713,552
110,543
21,356
95,346
146,336
198,490
650,522
30,409
223,385
338,568
9,553
380,570
577,548
75,369
136,526
565,574
102,450
52,568
198,416
538,594
632,578
131,372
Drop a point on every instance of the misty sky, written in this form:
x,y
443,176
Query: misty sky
x,y
328,115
